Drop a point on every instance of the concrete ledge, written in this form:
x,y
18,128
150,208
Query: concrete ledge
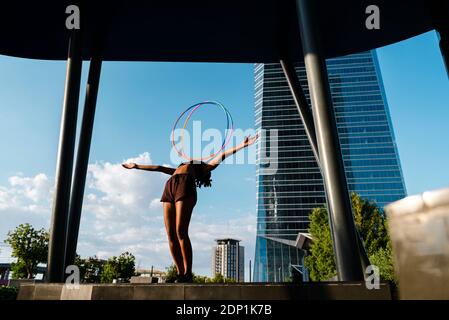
x,y
247,291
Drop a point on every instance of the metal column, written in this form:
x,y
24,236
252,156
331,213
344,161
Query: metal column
x,y
301,104
307,119
82,158
56,250
347,257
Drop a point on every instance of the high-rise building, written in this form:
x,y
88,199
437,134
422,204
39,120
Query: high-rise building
x,y
228,259
287,193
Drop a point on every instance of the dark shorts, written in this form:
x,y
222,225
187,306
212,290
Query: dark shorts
x,y
178,187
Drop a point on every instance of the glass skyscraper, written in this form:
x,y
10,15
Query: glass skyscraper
x,y
287,193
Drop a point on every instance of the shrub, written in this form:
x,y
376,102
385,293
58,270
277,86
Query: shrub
x,y
8,293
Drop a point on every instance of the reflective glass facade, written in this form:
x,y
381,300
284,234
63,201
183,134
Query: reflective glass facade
x,y
286,195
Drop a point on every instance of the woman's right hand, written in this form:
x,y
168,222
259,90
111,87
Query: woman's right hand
x,y
129,165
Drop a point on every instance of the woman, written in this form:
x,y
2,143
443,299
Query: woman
x,y
179,199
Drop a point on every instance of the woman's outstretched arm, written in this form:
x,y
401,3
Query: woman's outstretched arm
x,y
220,158
149,167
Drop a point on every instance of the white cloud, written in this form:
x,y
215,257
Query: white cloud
x,y
32,194
156,203
121,186
36,188
24,200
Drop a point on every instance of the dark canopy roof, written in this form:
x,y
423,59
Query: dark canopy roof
x,y
204,30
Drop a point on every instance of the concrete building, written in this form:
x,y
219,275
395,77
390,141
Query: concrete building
x,y
228,259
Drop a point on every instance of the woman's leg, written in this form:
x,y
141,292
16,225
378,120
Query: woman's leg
x,y
184,210
170,227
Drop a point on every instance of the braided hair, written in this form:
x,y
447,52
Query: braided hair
x,y
202,176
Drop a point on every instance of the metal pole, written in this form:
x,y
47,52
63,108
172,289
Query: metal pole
x,y
82,159
58,228
249,270
347,257
301,104
307,119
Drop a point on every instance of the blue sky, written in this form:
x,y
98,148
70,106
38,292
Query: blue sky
x,y
137,105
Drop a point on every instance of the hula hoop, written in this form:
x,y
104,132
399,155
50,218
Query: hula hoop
x,y
193,109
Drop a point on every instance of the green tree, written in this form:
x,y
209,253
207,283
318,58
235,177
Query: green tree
x,y
320,262
19,270
8,293
383,259
200,279
372,226
90,269
219,278
171,273
30,247
123,267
